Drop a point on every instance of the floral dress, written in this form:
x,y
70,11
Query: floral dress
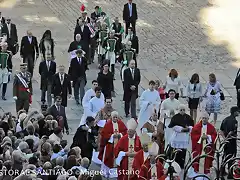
x,y
213,104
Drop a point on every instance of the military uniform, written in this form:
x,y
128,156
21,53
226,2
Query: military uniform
x,y
22,89
5,70
127,55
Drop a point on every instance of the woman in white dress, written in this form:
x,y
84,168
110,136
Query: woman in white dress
x,y
46,45
212,93
174,82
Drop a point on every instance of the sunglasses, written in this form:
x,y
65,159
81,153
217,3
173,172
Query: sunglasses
x,y
181,109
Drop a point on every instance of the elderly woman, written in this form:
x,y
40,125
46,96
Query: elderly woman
x,y
213,93
174,82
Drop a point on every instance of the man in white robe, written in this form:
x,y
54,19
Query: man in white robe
x,y
94,106
90,94
148,101
169,108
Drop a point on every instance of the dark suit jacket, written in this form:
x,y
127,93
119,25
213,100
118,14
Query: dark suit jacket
x,y
135,44
85,140
95,16
12,33
62,90
77,69
55,113
129,81
117,28
46,75
85,34
27,48
80,19
126,13
237,80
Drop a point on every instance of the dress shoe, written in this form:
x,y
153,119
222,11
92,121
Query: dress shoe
x,y
3,98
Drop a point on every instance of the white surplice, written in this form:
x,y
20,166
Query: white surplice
x,y
93,107
88,96
166,106
148,101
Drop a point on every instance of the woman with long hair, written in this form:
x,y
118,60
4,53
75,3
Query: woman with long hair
x,y
46,45
194,94
174,82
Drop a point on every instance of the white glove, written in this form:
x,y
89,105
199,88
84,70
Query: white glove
x,y
108,48
15,98
9,73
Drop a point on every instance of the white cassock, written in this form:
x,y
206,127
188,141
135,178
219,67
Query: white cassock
x,y
166,106
88,96
148,101
93,107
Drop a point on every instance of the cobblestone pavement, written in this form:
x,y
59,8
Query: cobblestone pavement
x,y
172,34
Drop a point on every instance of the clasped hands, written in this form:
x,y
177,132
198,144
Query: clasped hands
x,y
130,154
133,87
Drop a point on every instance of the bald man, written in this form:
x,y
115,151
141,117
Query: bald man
x,y
29,50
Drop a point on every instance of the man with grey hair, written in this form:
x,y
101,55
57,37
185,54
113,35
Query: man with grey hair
x,y
181,123
75,45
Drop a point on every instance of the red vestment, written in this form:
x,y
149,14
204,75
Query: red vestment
x,y
197,147
123,146
106,133
236,173
145,170
138,162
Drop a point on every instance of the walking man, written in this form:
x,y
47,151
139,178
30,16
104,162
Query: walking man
x,y
46,70
132,79
28,50
22,88
77,72
130,15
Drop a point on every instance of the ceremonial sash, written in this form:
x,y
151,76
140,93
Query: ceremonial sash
x,y
115,131
24,83
202,160
154,172
90,28
131,150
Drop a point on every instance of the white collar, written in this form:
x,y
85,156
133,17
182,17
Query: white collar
x,y
132,137
153,122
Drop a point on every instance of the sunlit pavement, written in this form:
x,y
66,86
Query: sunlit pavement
x,y
191,36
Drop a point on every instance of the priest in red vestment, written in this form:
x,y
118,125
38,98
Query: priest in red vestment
x,y
141,155
125,151
113,130
152,168
202,134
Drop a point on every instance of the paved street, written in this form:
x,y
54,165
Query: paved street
x,y
177,34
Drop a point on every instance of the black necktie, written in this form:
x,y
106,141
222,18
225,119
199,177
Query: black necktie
x,y
58,108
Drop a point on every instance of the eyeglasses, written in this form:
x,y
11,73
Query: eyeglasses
x,y
181,109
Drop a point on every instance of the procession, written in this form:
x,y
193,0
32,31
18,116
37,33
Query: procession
x,y
172,129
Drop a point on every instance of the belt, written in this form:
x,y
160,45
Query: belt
x,y
24,89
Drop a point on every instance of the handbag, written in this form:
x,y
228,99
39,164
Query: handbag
x,y
222,97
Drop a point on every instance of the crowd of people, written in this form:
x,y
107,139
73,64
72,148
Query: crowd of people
x,y
32,143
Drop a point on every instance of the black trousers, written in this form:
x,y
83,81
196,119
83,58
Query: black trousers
x,y
29,59
180,158
238,99
127,25
113,69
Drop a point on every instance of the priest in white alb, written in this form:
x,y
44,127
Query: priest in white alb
x,y
169,108
148,101
94,106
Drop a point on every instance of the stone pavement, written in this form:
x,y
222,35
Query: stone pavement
x,y
172,34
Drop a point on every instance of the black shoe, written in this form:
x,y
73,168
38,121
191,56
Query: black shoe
x,y
3,98
126,115
77,102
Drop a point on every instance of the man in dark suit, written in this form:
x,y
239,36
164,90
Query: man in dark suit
x,y
12,38
29,46
61,85
84,30
117,27
46,70
132,79
85,138
58,113
134,40
130,15
77,72
237,85
97,14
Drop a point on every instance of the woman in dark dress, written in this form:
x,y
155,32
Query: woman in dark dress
x,y
46,45
105,80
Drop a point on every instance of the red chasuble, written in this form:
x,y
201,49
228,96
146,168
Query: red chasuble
x,y
106,133
146,171
197,148
123,172
138,162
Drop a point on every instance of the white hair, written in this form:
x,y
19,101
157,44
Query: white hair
x,y
114,113
182,106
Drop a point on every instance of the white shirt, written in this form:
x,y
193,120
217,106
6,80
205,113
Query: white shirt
x,y
132,72
48,64
130,9
9,29
61,80
79,60
82,28
95,105
88,96
168,105
174,84
30,39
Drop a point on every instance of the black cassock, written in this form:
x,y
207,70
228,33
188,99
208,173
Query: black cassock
x,y
86,141
183,121
77,45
